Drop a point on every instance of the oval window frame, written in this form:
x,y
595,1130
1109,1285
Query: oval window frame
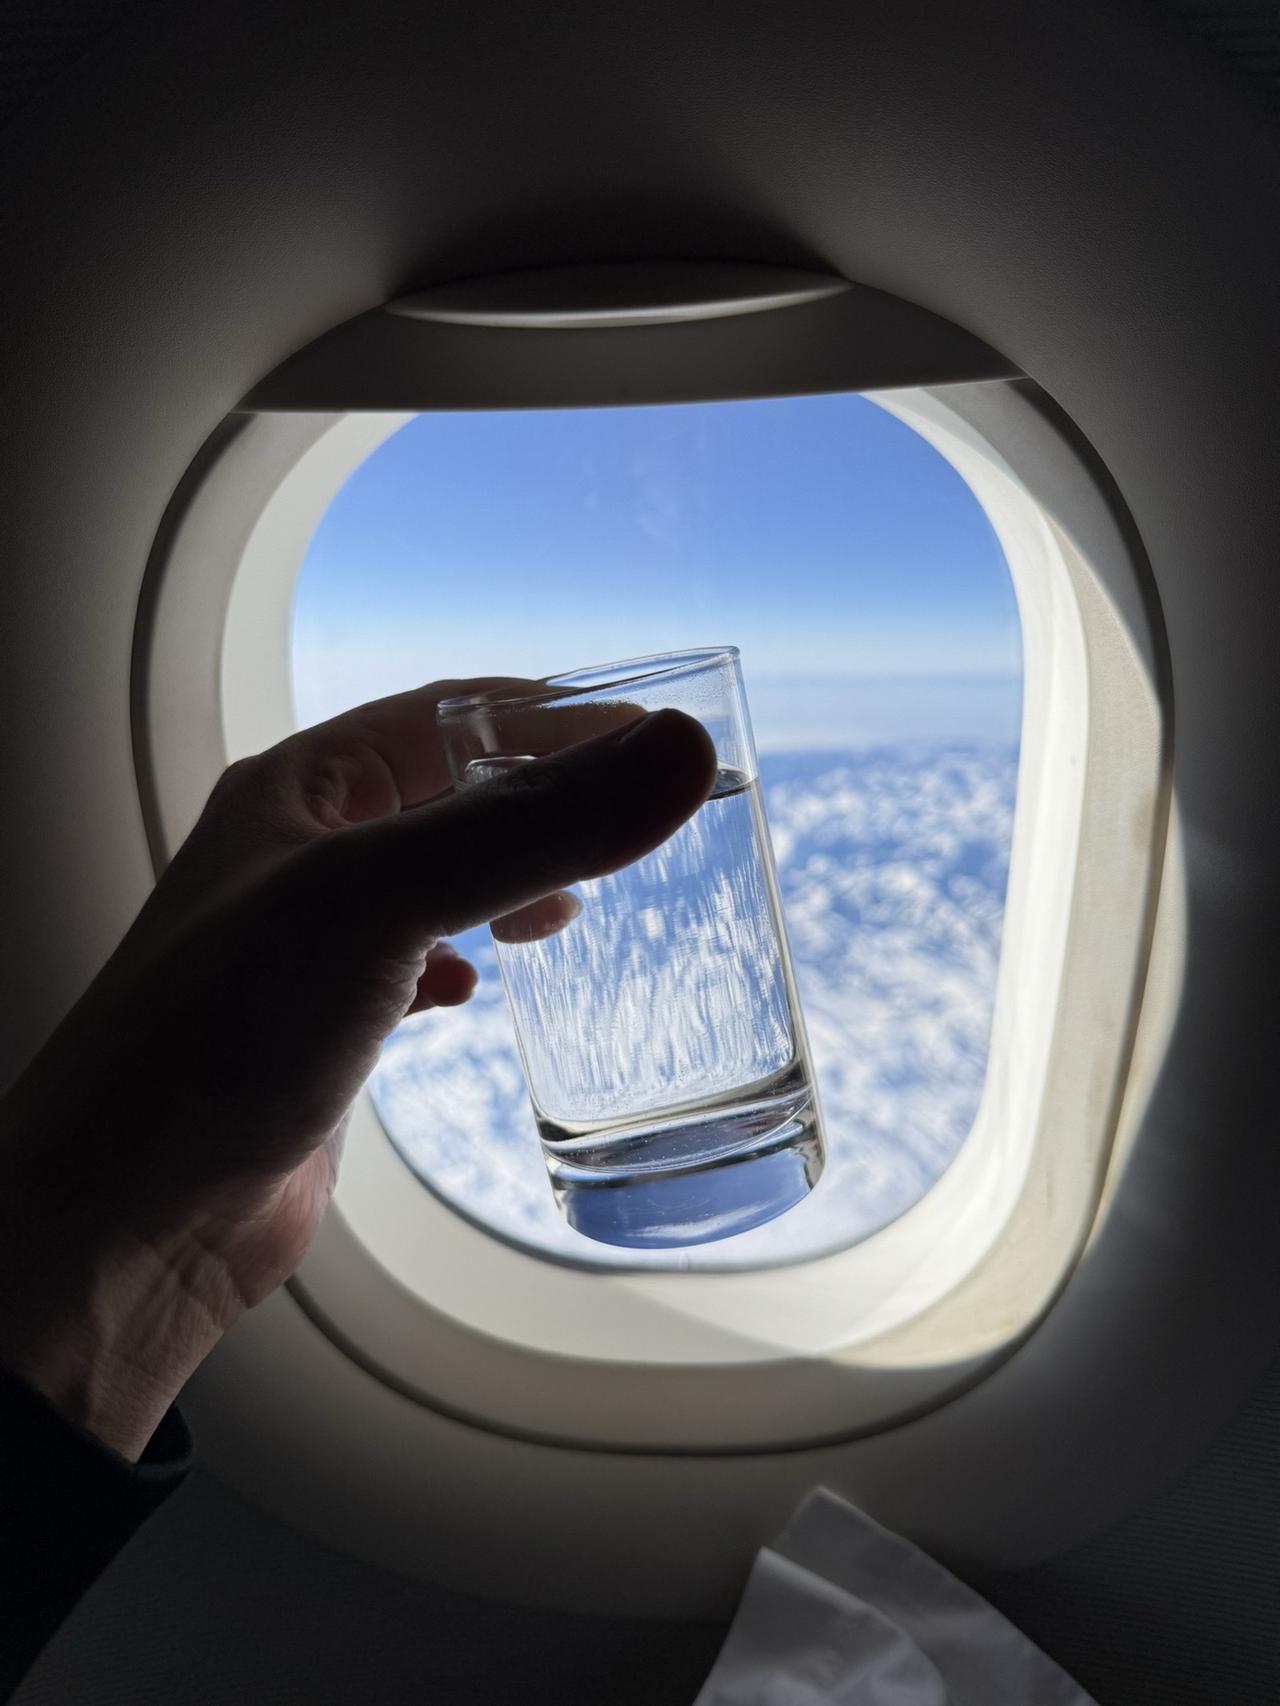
x,y
788,1356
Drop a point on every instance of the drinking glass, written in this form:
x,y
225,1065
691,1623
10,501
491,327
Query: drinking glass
x,y
660,1032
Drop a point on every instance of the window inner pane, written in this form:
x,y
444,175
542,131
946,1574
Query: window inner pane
x,y
882,655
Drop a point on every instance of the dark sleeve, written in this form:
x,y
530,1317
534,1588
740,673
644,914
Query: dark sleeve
x,y
68,1503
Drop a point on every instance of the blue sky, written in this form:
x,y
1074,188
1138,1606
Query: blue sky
x,y
838,550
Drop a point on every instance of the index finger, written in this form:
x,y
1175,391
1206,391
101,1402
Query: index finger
x,y
397,736
388,755
523,722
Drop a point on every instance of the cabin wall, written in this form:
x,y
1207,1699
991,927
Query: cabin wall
x,y
214,1604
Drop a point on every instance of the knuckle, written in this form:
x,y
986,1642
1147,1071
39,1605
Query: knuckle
x,y
228,805
235,776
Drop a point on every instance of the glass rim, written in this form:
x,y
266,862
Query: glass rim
x,y
594,678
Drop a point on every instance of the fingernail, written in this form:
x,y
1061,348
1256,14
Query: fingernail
x,y
624,735
651,723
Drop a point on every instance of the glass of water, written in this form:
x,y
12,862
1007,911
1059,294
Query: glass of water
x,y
660,1031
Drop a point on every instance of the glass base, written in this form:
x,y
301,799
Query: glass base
x,y
718,1171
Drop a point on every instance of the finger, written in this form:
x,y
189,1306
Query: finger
x,y
515,728
381,757
447,980
490,850
542,918
389,755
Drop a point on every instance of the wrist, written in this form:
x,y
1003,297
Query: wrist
x,y
99,1324
111,1355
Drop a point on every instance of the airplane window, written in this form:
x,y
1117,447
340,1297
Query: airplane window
x,y
882,652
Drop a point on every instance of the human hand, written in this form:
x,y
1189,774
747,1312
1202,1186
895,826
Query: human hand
x,y
167,1157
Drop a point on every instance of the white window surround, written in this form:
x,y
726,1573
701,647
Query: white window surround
x,y
633,1361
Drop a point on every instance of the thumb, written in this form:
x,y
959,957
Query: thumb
x,y
583,812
